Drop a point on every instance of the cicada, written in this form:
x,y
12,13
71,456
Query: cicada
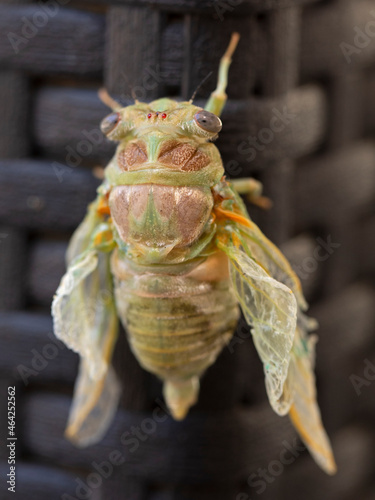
x,y
169,247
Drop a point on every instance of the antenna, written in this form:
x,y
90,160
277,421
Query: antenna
x,y
108,100
199,86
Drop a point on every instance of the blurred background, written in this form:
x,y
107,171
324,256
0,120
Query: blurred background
x,y
300,118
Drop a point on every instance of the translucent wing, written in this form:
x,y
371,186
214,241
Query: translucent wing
x,y
261,249
282,340
304,412
270,308
94,406
85,318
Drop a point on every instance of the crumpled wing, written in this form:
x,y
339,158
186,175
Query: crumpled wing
x,y
304,412
94,406
81,239
85,319
271,309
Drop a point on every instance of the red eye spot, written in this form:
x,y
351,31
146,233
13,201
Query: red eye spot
x,y
164,115
149,115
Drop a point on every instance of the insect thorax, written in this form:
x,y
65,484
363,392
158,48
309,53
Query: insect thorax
x,y
161,200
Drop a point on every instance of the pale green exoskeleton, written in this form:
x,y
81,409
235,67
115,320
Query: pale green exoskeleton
x,y
169,247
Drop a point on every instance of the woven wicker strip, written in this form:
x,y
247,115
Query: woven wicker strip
x,y
311,64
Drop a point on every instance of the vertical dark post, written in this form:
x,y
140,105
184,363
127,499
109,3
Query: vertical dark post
x,y
14,143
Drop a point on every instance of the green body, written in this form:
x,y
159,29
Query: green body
x,y
172,286
169,247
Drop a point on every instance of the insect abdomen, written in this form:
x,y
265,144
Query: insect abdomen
x,y
177,325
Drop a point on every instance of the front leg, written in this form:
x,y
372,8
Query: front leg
x,y
218,98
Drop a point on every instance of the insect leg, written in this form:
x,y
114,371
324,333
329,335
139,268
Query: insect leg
x,y
252,189
218,98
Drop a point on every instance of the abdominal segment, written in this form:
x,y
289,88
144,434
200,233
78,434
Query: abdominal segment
x,y
158,216
176,325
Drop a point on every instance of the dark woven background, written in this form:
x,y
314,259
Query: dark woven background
x,y
319,170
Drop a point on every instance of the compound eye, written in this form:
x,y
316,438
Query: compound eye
x,y
110,122
208,121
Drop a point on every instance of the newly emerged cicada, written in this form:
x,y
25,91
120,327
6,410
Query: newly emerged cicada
x,y
169,247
